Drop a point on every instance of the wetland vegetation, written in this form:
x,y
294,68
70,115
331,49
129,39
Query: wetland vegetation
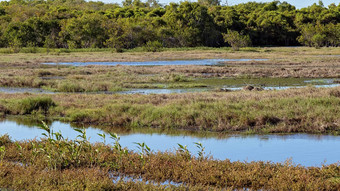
x,y
234,147
236,97
284,67
308,110
54,161
211,113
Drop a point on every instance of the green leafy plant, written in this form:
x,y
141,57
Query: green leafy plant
x,y
103,136
118,149
35,152
201,150
20,151
61,153
2,153
144,151
183,151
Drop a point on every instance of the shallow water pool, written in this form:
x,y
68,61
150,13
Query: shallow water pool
x,y
303,149
158,63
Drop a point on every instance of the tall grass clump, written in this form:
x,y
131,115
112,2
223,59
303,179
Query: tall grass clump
x,y
70,87
335,93
3,110
31,104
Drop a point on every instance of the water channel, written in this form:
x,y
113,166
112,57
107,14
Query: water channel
x,y
303,149
212,85
158,63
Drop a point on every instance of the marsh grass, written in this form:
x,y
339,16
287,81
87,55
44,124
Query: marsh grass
x,y
307,110
171,54
30,105
70,87
335,93
97,162
25,70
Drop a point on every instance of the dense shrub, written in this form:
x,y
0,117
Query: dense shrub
x,y
153,46
236,40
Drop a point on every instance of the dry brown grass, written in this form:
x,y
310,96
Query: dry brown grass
x,y
107,56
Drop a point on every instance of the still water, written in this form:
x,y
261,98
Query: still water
x,y
158,63
303,149
192,90
24,90
147,91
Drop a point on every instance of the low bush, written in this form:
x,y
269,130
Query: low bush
x,y
153,46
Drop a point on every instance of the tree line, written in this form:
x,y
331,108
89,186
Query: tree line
x,y
82,24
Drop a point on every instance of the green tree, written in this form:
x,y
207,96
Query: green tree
x,y
209,3
318,40
190,23
83,32
307,33
236,40
83,24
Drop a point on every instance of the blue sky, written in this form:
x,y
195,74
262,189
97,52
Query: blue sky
x,y
296,3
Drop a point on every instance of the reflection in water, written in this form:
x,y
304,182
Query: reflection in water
x,y
307,150
157,63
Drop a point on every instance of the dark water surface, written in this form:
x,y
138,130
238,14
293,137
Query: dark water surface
x,y
303,149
